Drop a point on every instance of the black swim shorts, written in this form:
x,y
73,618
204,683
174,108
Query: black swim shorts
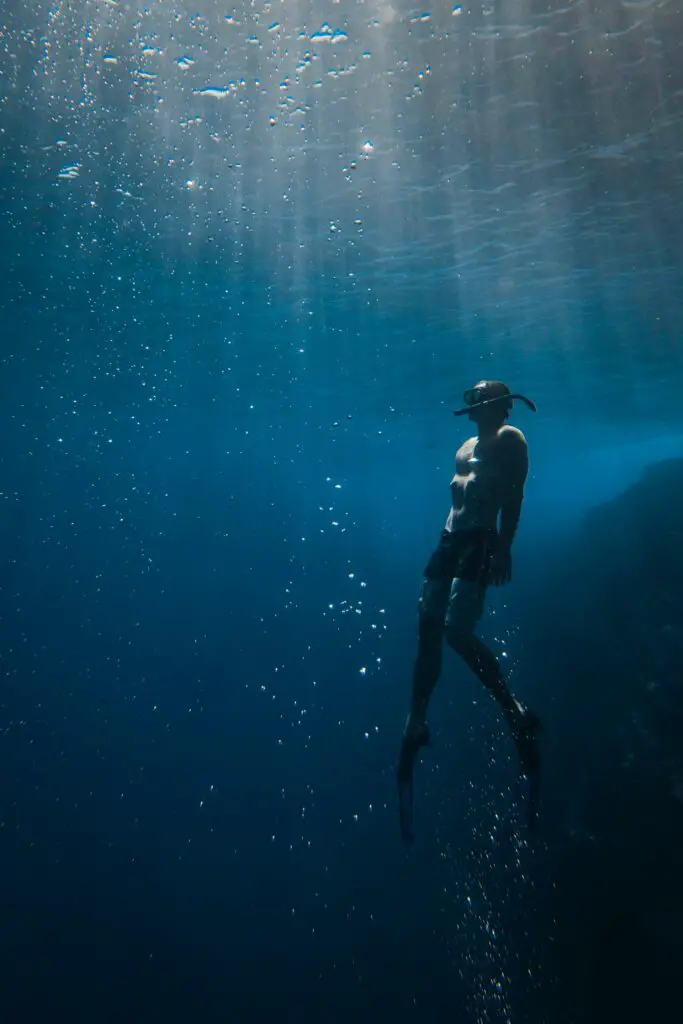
x,y
464,555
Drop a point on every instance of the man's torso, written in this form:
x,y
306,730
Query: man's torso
x,y
478,488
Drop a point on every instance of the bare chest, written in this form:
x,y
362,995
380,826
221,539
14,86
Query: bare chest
x,y
476,470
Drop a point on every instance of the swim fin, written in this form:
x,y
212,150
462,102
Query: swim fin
x,y
410,747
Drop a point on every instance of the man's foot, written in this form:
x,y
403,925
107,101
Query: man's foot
x,y
414,738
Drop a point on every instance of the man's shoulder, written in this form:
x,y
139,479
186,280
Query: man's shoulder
x,y
511,437
467,446
512,452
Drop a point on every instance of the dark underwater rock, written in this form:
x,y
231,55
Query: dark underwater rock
x,y
617,628
609,626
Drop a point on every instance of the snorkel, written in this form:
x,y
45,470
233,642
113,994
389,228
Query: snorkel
x,y
475,398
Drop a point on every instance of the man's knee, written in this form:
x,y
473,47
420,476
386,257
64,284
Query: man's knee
x,y
430,631
432,605
465,608
460,636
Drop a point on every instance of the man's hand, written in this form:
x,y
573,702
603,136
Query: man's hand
x,y
501,565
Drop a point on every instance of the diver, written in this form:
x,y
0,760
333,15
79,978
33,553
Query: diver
x,y
474,551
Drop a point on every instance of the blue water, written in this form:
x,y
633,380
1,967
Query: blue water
x,y
251,256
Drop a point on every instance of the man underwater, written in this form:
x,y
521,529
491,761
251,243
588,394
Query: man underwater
x,y
487,493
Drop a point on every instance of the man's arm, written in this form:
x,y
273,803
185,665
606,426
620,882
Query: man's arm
x,y
514,461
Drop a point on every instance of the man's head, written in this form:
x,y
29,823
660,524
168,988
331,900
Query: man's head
x,y
490,402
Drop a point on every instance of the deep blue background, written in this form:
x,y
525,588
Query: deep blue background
x,y
198,779
228,361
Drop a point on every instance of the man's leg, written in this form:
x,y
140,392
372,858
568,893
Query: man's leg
x,y
465,608
432,610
